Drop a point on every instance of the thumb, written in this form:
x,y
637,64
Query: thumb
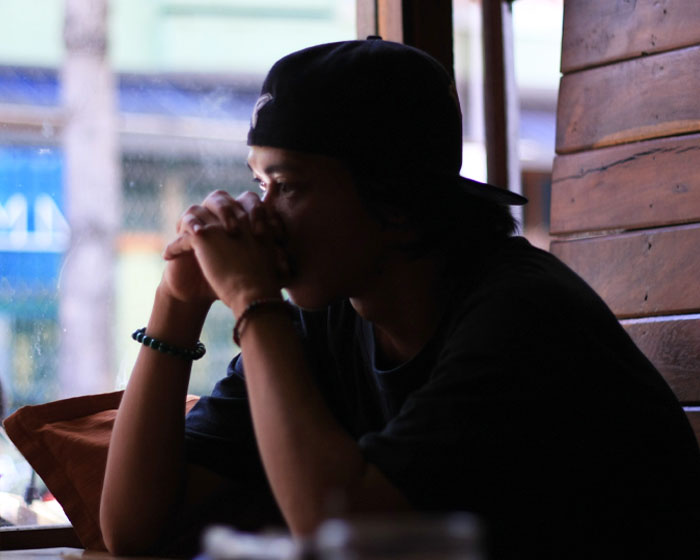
x,y
182,244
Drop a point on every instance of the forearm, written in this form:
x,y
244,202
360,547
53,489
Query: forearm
x,y
309,459
145,466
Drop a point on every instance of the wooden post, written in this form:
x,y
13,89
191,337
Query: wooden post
x,y
425,25
366,11
390,19
429,27
500,99
92,194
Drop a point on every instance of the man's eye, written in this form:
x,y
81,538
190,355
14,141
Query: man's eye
x,y
261,184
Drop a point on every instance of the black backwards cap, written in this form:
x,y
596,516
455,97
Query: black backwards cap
x,y
385,108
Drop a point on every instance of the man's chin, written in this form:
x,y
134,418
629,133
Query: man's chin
x,y
308,299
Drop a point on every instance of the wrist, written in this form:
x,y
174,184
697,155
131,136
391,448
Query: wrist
x,y
178,322
242,299
259,306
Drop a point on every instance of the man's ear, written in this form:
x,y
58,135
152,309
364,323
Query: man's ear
x,y
399,231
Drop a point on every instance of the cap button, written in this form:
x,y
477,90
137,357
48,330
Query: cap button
x,y
374,38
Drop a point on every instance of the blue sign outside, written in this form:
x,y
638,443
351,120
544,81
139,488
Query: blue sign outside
x,y
34,233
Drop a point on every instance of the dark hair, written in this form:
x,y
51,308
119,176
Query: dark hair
x,y
445,220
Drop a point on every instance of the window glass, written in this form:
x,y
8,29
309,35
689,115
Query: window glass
x,y
181,79
537,28
536,44
84,213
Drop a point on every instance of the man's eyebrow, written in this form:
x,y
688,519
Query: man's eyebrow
x,y
278,167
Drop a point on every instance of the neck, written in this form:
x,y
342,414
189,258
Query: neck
x,y
405,306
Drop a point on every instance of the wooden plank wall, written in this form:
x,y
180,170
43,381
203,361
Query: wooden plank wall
x,y
626,180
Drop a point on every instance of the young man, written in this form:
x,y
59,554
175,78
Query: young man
x,y
430,362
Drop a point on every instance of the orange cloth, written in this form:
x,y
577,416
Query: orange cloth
x,y
66,443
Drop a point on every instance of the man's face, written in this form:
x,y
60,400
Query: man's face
x,y
333,245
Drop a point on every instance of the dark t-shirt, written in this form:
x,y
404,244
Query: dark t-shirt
x,y
530,406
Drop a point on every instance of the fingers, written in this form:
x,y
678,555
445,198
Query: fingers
x,y
265,222
263,219
221,227
249,200
194,219
227,211
177,247
220,209
257,212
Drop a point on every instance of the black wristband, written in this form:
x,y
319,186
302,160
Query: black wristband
x,y
139,335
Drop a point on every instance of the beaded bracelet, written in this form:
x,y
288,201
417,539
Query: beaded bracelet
x,y
254,306
139,335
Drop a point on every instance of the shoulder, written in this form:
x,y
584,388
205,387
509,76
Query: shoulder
x,y
525,302
518,278
515,263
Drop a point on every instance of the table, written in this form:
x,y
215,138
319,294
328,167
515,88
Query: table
x,y
62,553
50,554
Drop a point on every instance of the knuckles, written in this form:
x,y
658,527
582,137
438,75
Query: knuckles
x,y
219,206
191,210
218,194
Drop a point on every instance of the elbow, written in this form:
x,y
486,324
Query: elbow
x,y
124,536
115,545
121,544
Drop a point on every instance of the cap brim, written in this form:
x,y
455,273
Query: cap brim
x,y
491,193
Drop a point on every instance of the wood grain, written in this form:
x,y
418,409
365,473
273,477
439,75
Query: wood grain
x,y
672,344
650,272
601,31
629,101
651,183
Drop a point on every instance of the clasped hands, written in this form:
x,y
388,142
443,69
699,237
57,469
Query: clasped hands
x,y
228,249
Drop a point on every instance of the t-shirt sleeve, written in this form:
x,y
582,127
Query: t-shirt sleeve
x,y
219,430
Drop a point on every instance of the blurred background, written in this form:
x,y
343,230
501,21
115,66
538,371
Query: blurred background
x,y
115,115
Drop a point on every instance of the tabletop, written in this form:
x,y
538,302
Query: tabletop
x,y
63,553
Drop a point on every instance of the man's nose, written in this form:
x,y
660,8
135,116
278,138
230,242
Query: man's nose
x,y
271,204
269,200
